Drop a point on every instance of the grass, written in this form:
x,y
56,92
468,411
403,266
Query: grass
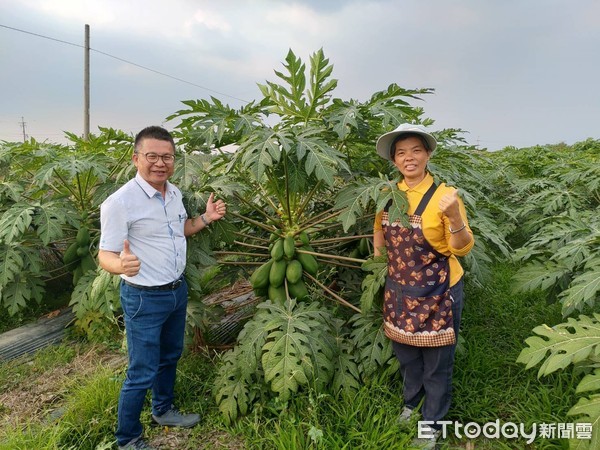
x,y
12,373
488,385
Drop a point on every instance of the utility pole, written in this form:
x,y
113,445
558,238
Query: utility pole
x,y
22,123
86,85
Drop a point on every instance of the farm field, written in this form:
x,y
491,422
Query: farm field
x,y
66,396
304,191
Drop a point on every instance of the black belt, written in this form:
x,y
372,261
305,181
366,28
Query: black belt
x,y
165,287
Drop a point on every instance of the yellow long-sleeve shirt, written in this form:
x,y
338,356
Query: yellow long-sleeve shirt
x,y
435,225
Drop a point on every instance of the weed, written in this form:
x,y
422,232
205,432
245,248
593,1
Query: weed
x,y
488,385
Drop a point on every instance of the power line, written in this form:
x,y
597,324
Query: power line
x,y
167,75
41,36
126,61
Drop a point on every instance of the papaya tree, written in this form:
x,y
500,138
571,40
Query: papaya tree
x,y
305,183
560,257
49,199
49,211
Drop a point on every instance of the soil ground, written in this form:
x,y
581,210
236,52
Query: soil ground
x,y
38,397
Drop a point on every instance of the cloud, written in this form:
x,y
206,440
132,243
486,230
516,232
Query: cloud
x,y
210,20
494,65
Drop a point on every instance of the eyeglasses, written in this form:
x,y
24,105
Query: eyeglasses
x,y
153,158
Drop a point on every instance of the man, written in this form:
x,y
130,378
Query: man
x,y
144,227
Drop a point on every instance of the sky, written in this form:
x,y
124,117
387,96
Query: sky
x,y
509,73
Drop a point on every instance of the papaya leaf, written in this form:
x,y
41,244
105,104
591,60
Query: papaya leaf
x,y
188,170
574,253
295,79
323,161
11,190
320,357
100,284
15,222
48,220
346,376
567,343
391,108
224,187
320,86
538,275
231,388
478,262
373,347
356,198
487,230
588,410
282,359
95,296
193,278
399,206
252,339
19,291
262,150
344,118
296,177
11,264
590,382
583,289
32,261
69,166
374,281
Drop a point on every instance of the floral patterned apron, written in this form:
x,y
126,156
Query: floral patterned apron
x,y
417,308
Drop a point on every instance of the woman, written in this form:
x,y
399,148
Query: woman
x,y
424,289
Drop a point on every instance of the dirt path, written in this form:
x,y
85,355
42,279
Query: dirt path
x,y
39,396
36,396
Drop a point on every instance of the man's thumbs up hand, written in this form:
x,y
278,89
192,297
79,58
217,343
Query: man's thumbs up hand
x,y
130,264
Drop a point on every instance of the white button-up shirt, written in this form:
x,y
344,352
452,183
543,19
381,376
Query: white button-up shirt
x,y
154,227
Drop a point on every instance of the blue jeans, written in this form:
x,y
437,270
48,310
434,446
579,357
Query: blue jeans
x,y
155,327
427,371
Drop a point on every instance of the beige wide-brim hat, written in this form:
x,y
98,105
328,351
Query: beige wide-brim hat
x,y
384,143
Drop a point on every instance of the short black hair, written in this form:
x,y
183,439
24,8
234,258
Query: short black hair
x,y
153,132
404,136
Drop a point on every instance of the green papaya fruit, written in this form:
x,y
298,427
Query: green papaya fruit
x,y
260,277
77,273
82,251
363,247
304,238
261,292
289,246
277,273
298,290
88,263
309,263
277,294
83,236
277,250
293,271
70,255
